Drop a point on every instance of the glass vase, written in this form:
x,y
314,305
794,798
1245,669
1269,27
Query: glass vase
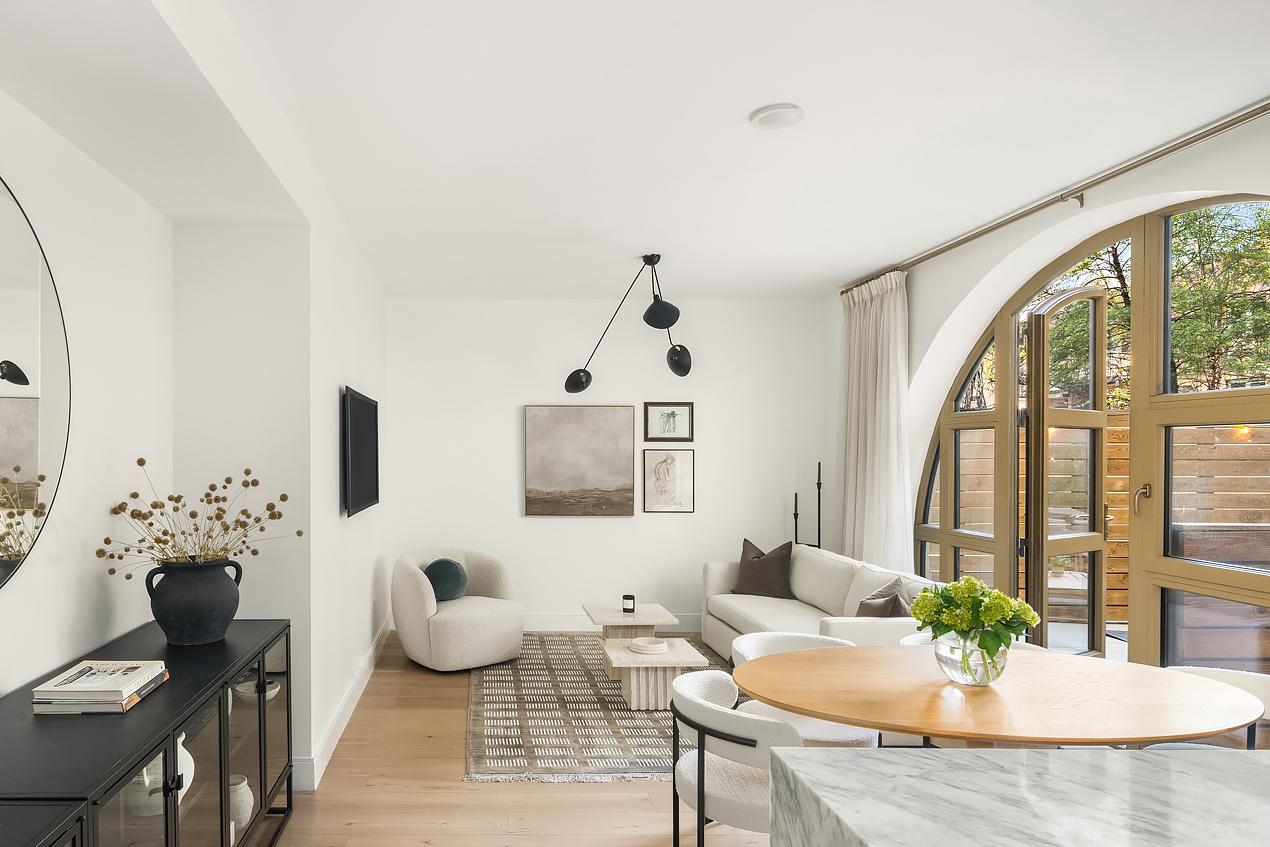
x,y
962,661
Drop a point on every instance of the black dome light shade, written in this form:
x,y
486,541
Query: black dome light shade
x,y
13,373
577,381
679,360
661,314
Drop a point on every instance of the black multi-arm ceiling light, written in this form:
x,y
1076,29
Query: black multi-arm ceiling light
x,y
13,373
660,314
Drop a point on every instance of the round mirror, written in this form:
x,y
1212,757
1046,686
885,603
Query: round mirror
x,y
35,386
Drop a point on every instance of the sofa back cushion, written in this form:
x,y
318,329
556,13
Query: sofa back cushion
x,y
870,578
822,579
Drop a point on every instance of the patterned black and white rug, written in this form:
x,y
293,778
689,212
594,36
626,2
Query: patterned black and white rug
x,y
553,715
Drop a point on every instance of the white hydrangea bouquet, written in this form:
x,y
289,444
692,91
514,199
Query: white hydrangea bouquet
x,y
973,626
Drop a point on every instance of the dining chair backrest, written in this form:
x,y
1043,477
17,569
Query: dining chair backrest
x,y
707,698
1256,684
755,645
924,638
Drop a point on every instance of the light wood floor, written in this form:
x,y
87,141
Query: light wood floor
x,y
395,780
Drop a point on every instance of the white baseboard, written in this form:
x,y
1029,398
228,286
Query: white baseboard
x,y
581,623
308,771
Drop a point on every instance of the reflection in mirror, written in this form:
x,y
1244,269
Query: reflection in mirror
x,y
34,387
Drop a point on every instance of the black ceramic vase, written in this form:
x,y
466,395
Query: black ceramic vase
x,y
195,601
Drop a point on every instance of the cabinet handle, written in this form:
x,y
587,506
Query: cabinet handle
x,y
174,785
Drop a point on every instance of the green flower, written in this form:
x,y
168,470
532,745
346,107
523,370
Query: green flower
x,y
996,607
966,589
957,617
1027,613
925,606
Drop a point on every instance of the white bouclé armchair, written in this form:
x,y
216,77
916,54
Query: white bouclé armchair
x,y
483,627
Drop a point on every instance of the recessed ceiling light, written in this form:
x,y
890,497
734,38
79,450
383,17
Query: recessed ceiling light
x,y
777,116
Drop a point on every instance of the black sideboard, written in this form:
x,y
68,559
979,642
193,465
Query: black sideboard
x,y
204,759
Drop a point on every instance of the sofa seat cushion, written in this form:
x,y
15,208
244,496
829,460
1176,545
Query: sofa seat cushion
x,y
748,613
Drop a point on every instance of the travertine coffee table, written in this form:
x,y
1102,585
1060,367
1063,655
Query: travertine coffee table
x,y
642,623
646,678
615,623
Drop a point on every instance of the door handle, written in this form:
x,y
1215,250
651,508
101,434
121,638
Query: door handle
x,y
1106,521
1144,491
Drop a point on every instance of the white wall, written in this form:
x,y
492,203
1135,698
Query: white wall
x,y
241,400
348,582
954,297
349,560
764,384
110,254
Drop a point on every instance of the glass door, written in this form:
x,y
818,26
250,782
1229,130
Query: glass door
x,y
277,713
1066,519
198,764
245,793
1199,578
136,814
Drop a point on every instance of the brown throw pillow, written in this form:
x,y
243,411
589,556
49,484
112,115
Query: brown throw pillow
x,y
886,602
765,574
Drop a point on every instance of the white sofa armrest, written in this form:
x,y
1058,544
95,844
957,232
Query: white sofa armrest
x,y
717,578
869,632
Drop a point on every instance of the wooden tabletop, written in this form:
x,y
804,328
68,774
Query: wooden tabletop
x,y
1042,697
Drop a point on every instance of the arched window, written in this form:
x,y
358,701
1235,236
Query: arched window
x,y
1052,426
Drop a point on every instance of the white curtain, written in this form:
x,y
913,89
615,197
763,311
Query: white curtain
x,y
877,526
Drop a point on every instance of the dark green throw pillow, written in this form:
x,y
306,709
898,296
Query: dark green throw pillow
x,y
448,579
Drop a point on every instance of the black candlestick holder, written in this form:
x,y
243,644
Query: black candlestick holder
x,y
818,486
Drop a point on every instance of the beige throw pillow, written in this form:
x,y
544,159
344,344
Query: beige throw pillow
x,y
887,602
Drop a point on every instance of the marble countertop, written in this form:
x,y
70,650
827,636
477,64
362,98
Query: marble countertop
x,y
1019,798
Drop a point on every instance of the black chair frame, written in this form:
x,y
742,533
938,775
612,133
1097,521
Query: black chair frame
x,y
702,733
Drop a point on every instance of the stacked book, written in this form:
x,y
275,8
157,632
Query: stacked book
x,y
97,687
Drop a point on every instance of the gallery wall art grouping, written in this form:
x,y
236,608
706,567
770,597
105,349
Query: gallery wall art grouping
x,y
580,460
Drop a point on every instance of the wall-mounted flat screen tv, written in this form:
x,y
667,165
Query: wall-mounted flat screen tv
x,y
359,451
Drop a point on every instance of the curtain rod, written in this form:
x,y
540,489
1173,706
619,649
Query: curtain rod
x,y
1077,192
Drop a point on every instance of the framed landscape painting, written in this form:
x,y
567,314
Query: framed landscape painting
x,y
667,421
580,460
669,481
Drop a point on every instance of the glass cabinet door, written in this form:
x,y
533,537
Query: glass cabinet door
x,y
198,768
277,697
244,750
136,814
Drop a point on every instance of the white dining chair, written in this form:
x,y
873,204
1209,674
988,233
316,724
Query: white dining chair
x,y
1256,684
730,783
813,731
923,638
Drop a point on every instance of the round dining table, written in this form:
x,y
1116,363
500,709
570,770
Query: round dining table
x,y
1042,697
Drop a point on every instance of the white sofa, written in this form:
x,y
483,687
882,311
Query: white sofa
x,y
828,588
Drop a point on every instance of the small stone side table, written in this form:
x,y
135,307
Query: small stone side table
x,y
646,678
617,624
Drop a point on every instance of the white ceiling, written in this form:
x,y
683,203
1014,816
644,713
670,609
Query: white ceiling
x,y
524,149
112,79
502,148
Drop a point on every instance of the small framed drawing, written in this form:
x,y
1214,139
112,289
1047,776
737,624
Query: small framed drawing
x,y
668,481
667,421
